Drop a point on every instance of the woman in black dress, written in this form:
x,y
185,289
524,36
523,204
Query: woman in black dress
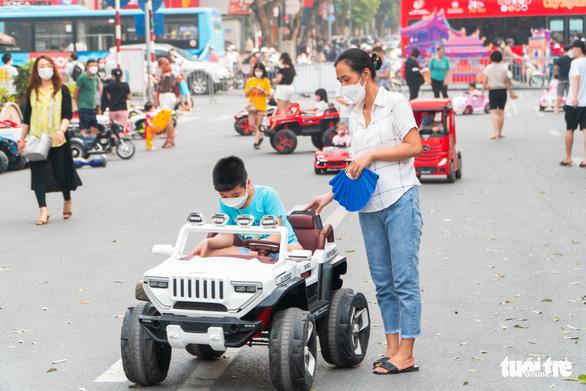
x,y
48,110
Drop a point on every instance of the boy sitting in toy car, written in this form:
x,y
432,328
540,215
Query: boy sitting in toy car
x,y
428,122
239,197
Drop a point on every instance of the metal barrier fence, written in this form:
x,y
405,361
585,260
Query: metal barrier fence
x,y
525,73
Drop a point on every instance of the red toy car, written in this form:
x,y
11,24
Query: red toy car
x,y
283,130
241,120
331,158
437,128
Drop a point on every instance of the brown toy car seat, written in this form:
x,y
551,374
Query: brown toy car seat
x,y
311,233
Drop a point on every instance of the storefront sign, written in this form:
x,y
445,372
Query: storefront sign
x,y
415,9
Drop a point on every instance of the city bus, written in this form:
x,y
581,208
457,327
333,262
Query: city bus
x,y
59,30
502,19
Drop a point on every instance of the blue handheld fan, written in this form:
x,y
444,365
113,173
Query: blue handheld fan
x,y
353,194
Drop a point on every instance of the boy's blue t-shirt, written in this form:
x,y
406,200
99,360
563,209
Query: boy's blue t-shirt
x,y
265,201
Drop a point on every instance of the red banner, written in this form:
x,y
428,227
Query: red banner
x,y
416,9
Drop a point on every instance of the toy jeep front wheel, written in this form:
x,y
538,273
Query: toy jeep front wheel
x,y
204,352
293,350
145,361
344,333
284,141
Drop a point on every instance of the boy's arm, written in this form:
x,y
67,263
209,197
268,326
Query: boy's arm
x,y
221,241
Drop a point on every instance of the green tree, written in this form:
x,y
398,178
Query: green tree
x,y
388,14
354,13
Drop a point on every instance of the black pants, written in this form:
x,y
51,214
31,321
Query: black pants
x,y
413,91
438,86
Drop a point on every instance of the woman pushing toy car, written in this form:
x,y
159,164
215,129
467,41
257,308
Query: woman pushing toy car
x,y
385,139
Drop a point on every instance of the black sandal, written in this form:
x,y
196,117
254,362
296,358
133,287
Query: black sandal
x,y
380,360
582,165
565,164
393,370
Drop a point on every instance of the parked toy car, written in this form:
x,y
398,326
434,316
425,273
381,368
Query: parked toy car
x,y
10,158
206,305
241,120
437,124
548,99
331,159
283,130
110,138
470,103
199,73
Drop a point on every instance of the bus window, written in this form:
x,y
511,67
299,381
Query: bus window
x,y
576,26
22,33
94,34
180,30
51,36
556,25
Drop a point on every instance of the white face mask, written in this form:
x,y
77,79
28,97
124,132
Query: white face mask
x,y
93,70
236,202
258,74
354,93
45,73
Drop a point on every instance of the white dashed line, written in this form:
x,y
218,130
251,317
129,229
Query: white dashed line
x,y
554,132
207,373
114,374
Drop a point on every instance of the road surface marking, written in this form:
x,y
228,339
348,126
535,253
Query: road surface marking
x,y
577,161
336,218
188,119
207,373
114,374
554,132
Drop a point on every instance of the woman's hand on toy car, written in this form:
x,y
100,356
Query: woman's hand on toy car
x,y
320,202
358,164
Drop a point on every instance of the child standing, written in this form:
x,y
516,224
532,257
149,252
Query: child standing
x,y
149,131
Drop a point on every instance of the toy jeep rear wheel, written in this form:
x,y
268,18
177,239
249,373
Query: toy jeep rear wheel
x,y
204,352
242,127
316,140
468,110
3,162
344,333
293,350
145,361
328,137
284,141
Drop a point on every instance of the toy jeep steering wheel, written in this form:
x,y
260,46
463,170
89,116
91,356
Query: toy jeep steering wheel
x,y
263,247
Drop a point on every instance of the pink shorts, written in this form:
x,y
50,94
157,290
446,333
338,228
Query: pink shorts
x,y
120,117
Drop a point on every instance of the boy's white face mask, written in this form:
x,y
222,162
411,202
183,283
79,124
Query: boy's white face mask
x,y
236,202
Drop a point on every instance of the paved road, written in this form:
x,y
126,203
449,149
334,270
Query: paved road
x,y
502,260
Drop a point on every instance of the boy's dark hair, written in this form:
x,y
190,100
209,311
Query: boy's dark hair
x,y
6,57
91,60
496,56
148,106
229,173
323,95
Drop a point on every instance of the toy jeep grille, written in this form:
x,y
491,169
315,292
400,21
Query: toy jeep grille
x,y
211,289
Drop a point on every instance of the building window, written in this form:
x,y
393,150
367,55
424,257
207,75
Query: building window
x,y
54,36
576,26
22,33
95,34
180,30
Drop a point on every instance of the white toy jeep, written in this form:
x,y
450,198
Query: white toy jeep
x,y
206,305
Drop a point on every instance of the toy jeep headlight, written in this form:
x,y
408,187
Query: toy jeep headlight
x,y
269,221
153,282
442,162
220,219
245,221
246,287
196,218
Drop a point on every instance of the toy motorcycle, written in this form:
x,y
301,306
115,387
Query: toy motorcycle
x,y
110,137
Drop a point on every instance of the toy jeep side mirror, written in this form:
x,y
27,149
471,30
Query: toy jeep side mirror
x,y
165,249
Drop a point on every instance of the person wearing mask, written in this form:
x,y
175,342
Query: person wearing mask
x,y
496,80
575,107
7,74
257,90
561,68
166,97
48,110
86,90
413,76
117,95
284,82
439,68
385,139
383,75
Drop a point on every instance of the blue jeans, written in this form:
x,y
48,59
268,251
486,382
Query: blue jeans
x,y
392,237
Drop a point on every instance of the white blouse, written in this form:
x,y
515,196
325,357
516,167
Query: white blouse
x,y
391,119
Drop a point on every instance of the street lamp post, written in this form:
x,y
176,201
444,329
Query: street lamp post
x,y
148,34
118,32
